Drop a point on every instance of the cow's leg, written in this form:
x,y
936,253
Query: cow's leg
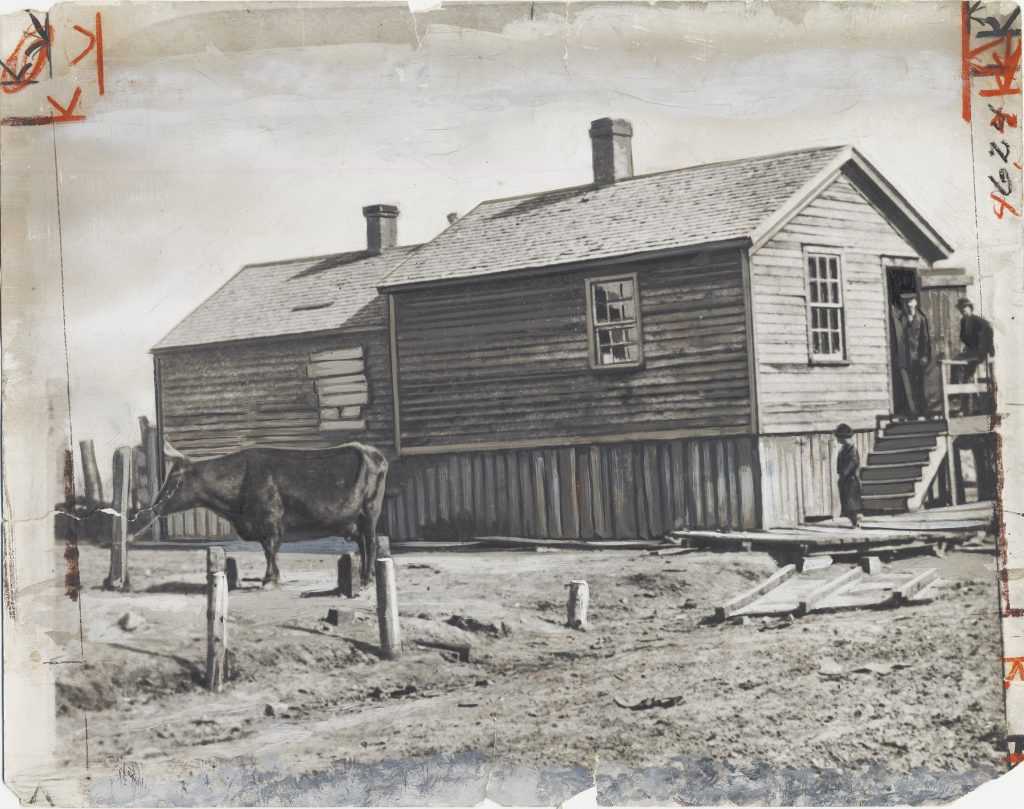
x,y
368,545
271,545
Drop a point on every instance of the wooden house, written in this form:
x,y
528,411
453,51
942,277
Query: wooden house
x,y
646,353
287,353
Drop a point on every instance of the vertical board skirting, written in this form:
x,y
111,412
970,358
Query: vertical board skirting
x,y
798,476
639,490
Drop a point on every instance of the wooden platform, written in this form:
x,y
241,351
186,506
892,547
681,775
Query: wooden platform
x,y
930,530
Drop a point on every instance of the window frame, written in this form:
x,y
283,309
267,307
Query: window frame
x,y
824,251
593,353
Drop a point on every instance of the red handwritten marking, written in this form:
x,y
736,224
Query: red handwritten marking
x,y
1002,119
1004,71
95,43
1016,669
1013,759
1004,206
17,65
67,114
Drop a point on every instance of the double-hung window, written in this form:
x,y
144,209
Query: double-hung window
x,y
827,318
613,315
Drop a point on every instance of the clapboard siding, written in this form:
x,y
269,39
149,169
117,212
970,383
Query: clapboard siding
x,y
598,491
220,399
798,476
508,359
793,394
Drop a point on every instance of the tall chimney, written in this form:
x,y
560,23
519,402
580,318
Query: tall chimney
x,y
381,227
611,143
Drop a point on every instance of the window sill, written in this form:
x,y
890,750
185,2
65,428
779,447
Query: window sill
x,y
827,361
619,366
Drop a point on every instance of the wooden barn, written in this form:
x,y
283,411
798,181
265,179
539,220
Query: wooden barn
x,y
287,353
648,353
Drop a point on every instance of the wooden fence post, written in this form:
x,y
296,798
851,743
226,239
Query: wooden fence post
x,y
579,598
151,454
387,609
216,619
231,571
348,575
383,547
91,473
118,578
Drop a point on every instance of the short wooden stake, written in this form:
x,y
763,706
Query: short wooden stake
x,y
348,575
871,565
387,609
216,619
91,473
383,547
118,578
231,570
579,598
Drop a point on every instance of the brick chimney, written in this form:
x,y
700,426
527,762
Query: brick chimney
x,y
611,141
381,227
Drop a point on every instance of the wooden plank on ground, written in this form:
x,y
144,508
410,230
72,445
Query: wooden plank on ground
x,y
753,594
916,585
812,599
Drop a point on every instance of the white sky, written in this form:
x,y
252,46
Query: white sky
x,y
248,134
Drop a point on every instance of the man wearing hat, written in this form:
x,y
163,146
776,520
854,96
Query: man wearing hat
x,y
976,336
848,468
913,349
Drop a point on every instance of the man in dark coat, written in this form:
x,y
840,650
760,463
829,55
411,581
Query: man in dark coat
x,y
913,352
978,345
848,468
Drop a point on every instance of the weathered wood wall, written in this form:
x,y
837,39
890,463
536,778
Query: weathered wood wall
x,y
793,394
508,359
607,491
220,399
798,476
225,398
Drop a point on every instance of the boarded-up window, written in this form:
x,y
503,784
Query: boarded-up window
x,y
341,388
614,320
825,307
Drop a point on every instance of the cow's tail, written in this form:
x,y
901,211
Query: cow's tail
x,y
376,467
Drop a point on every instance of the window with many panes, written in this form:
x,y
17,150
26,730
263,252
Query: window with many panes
x,y
614,319
825,307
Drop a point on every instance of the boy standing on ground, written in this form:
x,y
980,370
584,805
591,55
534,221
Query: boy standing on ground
x,y
848,468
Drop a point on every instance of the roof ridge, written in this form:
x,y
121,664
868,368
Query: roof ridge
x,y
624,180
325,256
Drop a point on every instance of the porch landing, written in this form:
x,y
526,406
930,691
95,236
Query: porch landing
x,y
933,530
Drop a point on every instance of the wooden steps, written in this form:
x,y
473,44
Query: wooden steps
x,y
902,465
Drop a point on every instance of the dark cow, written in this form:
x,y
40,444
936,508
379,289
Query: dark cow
x,y
267,493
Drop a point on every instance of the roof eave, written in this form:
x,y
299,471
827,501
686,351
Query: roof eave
x,y
738,243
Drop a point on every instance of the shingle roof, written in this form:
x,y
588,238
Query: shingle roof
x,y
671,209
287,297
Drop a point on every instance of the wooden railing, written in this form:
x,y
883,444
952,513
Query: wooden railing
x,y
978,387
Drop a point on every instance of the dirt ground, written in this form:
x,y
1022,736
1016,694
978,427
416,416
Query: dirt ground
x,y
914,689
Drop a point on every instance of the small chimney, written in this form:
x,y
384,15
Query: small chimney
x,y
381,227
611,141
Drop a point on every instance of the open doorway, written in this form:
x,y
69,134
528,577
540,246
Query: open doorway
x,y
899,280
